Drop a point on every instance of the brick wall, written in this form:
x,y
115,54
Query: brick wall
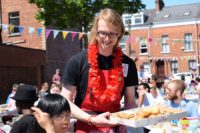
x,y
173,32
27,13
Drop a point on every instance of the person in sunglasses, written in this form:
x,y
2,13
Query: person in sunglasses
x,y
97,78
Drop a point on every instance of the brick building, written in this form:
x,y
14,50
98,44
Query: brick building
x,y
165,40
25,55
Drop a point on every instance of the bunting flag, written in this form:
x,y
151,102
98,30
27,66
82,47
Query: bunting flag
x,y
47,33
39,32
55,33
64,33
149,39
80,36
31,30
73,34
11,28
21,29
5,27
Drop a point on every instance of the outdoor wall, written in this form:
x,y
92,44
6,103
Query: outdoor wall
x,y
58,52
27,14
173,32
20,65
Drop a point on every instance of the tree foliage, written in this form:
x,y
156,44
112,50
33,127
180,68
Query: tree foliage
x,y
79,14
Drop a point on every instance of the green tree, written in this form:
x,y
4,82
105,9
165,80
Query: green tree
x,y
62,14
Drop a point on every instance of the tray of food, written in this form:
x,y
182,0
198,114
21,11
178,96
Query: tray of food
x,y
144,116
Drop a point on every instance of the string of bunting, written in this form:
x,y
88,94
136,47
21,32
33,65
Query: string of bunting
x,y
155,41
31,30
169,58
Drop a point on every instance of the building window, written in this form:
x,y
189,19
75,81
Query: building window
x,y
143,46
174,67
122,43
188,42
164,44
133,19
14,20
191,64
147,68
138,19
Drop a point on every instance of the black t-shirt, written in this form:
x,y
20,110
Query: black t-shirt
x,y
22,125
76,72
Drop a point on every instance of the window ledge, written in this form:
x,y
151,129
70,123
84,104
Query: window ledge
x,y
187,51
14,34
143,53
165,52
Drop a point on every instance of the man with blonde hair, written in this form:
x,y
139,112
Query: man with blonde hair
x,y
174,92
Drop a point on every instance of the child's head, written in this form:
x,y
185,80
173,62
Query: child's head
x,y
58,109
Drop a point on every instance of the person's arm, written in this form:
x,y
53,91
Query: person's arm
x,y
141,98
129,99
100,120
43,120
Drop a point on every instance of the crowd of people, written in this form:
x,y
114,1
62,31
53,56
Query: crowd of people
x,y
93,84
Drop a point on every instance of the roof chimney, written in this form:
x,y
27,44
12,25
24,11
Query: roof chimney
x,y
159,5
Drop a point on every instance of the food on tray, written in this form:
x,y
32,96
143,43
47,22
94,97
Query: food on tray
x,y
148,112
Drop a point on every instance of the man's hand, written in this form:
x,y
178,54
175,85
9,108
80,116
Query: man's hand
x,y
103,120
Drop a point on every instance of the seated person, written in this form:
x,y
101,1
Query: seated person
x,y
25,97
174,92
56,111
157,99
56,88
145,98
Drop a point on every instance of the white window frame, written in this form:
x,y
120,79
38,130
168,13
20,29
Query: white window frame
x,y
188,42
11,18
191,64
174,66
122,43
133,19
143,47
147,68
164,45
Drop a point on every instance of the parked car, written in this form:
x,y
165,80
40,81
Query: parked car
x,y
186,74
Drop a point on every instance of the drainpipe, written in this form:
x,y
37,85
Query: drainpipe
x,y
197,47
0,22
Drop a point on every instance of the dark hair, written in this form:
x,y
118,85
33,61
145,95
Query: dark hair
x,y
146,86
54,105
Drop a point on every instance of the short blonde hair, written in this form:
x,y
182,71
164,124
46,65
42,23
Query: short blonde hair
x,y
178,85
112,18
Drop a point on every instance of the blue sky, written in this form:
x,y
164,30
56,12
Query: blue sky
x,y
150,4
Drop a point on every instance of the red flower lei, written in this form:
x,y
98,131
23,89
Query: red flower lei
x,y
110,92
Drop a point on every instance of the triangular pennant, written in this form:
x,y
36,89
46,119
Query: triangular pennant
x,y
136,39
5,27
55,33
73,35
64,34
47,33
11,28
141,39
21,29
150,39
39,31
31,30
80,35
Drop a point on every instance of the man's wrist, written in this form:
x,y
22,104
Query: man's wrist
x,y
89,120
